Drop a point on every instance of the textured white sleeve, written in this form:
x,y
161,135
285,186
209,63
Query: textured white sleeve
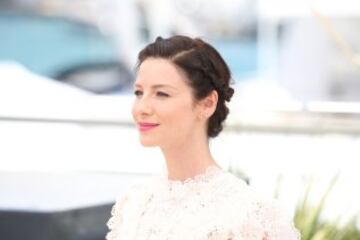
x,y
116,218
276,222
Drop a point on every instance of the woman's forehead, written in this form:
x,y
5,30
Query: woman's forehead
x,y
157,72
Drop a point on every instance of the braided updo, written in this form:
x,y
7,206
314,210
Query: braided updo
x,y
204,67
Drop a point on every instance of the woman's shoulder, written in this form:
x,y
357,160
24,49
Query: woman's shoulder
x,y
140,187
125,204
134,191
234,187
267,213
239,191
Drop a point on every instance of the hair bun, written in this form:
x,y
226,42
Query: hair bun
x,y
228,93
159,38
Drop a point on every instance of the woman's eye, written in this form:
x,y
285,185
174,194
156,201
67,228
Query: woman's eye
x,y
137,92
162,94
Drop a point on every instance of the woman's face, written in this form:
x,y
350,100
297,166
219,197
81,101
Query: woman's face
x,y
163,98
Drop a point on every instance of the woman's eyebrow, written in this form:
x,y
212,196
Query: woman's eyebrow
x,y
156,86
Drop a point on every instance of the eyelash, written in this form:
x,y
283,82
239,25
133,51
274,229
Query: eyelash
x,y
161,94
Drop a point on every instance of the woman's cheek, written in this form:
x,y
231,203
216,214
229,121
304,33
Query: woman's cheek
x,y
133,111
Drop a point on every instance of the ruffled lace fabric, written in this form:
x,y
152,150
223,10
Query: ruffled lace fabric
x,y
213,205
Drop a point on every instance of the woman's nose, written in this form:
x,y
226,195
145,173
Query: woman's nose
x,y
144,106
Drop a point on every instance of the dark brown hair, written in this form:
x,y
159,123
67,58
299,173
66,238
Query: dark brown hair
x,y
204,67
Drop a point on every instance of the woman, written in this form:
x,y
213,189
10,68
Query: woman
x,y
181,88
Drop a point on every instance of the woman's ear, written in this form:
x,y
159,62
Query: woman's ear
x,y
209,104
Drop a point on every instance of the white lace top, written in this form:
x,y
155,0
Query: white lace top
x,y
213,205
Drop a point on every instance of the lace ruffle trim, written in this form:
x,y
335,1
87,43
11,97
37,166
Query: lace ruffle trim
x,y
209,173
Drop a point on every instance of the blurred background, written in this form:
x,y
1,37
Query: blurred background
x,y
68,146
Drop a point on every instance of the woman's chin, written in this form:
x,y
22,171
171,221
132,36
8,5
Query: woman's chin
x,y
148,143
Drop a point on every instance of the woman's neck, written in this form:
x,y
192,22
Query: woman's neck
x,y
188,160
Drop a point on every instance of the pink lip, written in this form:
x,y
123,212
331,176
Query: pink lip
x,y
147,126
